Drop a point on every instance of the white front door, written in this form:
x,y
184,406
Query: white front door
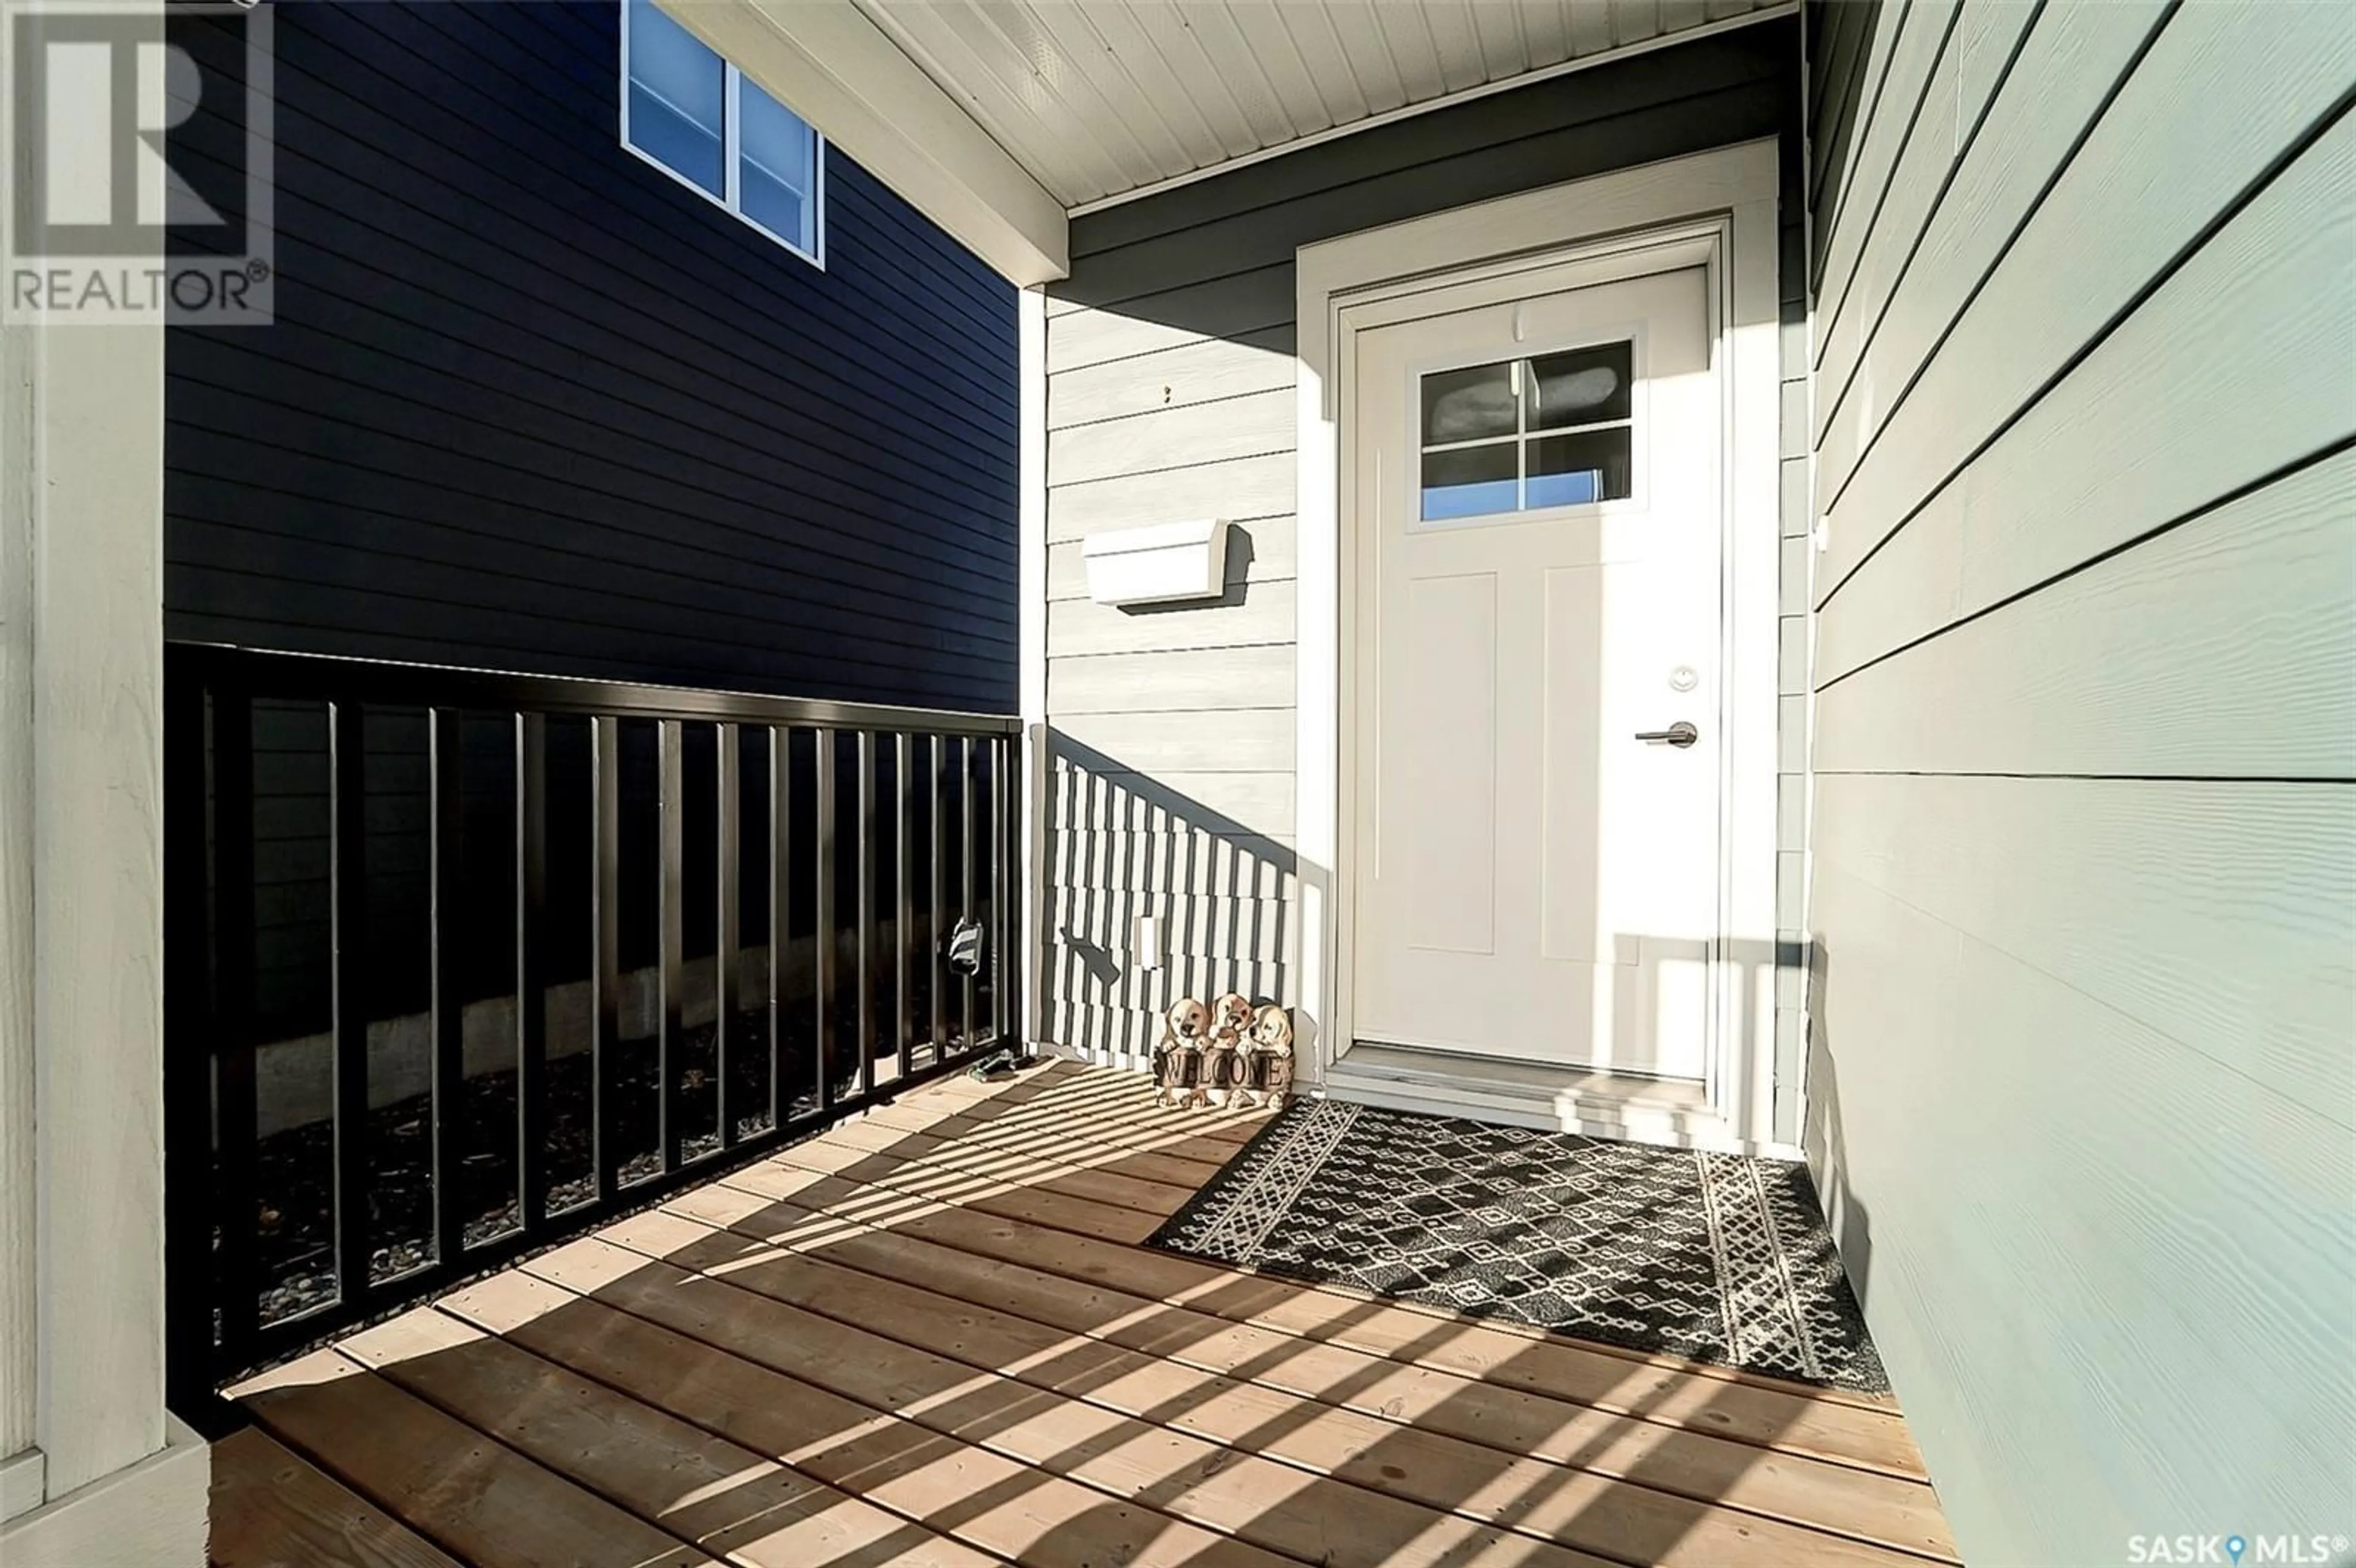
x,y
1538,634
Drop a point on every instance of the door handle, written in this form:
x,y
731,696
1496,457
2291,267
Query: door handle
x,y
1679,734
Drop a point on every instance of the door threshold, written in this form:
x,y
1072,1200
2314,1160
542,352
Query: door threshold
x,y
1630,1106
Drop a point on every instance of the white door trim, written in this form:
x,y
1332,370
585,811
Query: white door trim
x,y
1725,198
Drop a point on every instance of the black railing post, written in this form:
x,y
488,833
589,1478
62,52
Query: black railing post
x,y
724,987
903,928
448,1018
866,910
823,745
532,969
189,1010
965,885
238,1111
938,927
781,861
349,971
1020,917
674,939
723,979
1005,959
605,894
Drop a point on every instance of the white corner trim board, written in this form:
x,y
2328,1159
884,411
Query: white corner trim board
x,y
148,1514
836,68
1030,637
1729,194
82,878
80,833
24,1481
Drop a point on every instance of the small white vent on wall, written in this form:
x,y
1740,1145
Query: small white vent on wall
x,y
1163,564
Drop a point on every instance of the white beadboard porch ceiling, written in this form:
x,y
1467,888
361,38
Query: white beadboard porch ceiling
x,y
1101,99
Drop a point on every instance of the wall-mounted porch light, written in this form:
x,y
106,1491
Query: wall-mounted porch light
x,y
1162,564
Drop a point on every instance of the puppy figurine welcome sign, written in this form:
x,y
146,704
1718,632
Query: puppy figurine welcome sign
x,y
1178,1057
1229,1053
1223,1058
1267,1056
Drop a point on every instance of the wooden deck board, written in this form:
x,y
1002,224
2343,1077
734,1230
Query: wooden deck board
x,y
1826,1423
274,1509
955,1488
929,1337
1078,1133
1266,1503
886,1128
1696,1465
1202,1156
846,1147
1565,1503
467,1492
728,1500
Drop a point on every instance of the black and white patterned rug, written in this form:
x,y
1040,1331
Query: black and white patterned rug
x,y
1715,1257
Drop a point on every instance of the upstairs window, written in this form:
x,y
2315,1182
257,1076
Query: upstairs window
x,y
692,114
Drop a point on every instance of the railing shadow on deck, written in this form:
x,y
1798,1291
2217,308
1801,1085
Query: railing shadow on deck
x,y
778,1332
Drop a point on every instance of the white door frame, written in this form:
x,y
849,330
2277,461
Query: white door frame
x,y
1720,205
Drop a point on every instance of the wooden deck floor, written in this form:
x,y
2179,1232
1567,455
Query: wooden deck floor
x,y
931,1337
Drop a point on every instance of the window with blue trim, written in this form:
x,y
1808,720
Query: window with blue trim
x,y
687,110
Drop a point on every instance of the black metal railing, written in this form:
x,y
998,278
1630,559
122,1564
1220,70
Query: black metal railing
x,y
461,961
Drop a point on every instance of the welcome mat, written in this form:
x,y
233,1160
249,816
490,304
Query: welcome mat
x,y
1714,1257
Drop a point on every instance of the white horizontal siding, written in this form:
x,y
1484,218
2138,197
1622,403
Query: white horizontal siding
x,y
1918,39
1244,487
1078,337
1207,371
1250,612
2084,885
1252,425
1858,273
2069,60
1192,681
2153,426
2147,180
1172,789
1244,741
2221,648
2109,1273
2213,912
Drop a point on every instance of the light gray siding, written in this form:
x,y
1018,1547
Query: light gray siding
x,y
2081,1095
1170,395
1173,728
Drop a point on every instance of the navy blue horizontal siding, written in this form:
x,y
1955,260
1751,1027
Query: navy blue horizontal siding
x,y
531,404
